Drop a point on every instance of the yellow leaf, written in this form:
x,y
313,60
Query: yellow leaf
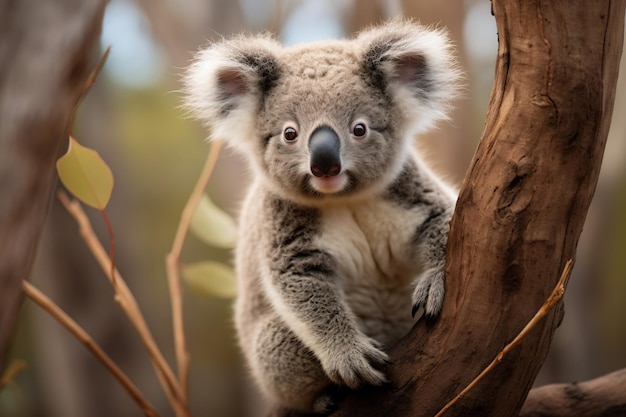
x,y
85,174
210,278
213,225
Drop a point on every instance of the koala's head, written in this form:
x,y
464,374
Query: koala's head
x,y
327,119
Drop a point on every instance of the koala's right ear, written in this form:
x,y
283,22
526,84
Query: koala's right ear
x,y
227,81
414,64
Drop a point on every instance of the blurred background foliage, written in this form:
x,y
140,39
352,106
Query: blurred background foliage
x,y
132,116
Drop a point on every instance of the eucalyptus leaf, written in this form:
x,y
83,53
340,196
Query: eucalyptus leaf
x,y
213,225
211,278
85,174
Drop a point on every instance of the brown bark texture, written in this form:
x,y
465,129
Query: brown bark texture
x,y
519,215
46,54
600,397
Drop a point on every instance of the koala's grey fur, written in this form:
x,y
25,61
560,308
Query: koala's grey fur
x,y
331,267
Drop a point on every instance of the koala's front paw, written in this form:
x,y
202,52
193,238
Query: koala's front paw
x,y
356,363
429,292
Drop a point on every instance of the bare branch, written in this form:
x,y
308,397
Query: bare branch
x,y
82,336
555,297
126,300
172,265
88,83
601,397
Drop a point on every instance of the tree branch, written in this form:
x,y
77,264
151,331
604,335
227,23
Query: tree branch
x,y
82,336
600,397
555,297
172,266
127,302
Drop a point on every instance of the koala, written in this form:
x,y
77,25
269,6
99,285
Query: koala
x,y
343,231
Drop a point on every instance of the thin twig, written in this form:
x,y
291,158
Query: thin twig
x,y
107,222
88,83
127,302
547,306
171,264
56,312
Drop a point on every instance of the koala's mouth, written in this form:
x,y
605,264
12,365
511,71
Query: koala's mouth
x,y
328,184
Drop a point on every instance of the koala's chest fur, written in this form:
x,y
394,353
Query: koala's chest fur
x,y
371,243
366,249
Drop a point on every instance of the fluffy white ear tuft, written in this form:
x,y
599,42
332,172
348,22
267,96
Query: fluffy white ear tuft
x,y
227,81
415,65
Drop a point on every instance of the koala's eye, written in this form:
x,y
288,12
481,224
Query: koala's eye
x,y
359,130
290,134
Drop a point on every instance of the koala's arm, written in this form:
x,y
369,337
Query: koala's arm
x,y
431,238
432,203
303,288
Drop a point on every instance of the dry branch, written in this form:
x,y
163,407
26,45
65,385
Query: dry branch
x,y
600,397
82,336
126,300
555,297
172,266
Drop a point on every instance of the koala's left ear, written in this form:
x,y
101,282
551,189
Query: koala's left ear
x,y
226,83
415,65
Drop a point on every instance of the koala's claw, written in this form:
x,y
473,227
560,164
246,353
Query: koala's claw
x,y
357,365
429,293
414,309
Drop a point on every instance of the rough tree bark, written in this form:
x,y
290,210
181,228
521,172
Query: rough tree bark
x,y
46,55
520,213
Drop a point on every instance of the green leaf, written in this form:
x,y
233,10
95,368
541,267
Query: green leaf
x,y
213,225
85,174
210,278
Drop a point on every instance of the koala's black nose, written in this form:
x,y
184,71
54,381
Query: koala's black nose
x,y
324,150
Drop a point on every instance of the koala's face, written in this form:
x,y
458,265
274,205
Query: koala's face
x,y
329,119
323,130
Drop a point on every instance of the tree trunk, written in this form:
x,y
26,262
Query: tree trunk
x,y
519,215
45,50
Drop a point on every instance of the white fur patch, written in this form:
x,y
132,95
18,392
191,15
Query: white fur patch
x,y
207,100
371,243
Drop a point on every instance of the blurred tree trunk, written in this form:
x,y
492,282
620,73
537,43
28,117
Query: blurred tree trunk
x,y
519,216
46,50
